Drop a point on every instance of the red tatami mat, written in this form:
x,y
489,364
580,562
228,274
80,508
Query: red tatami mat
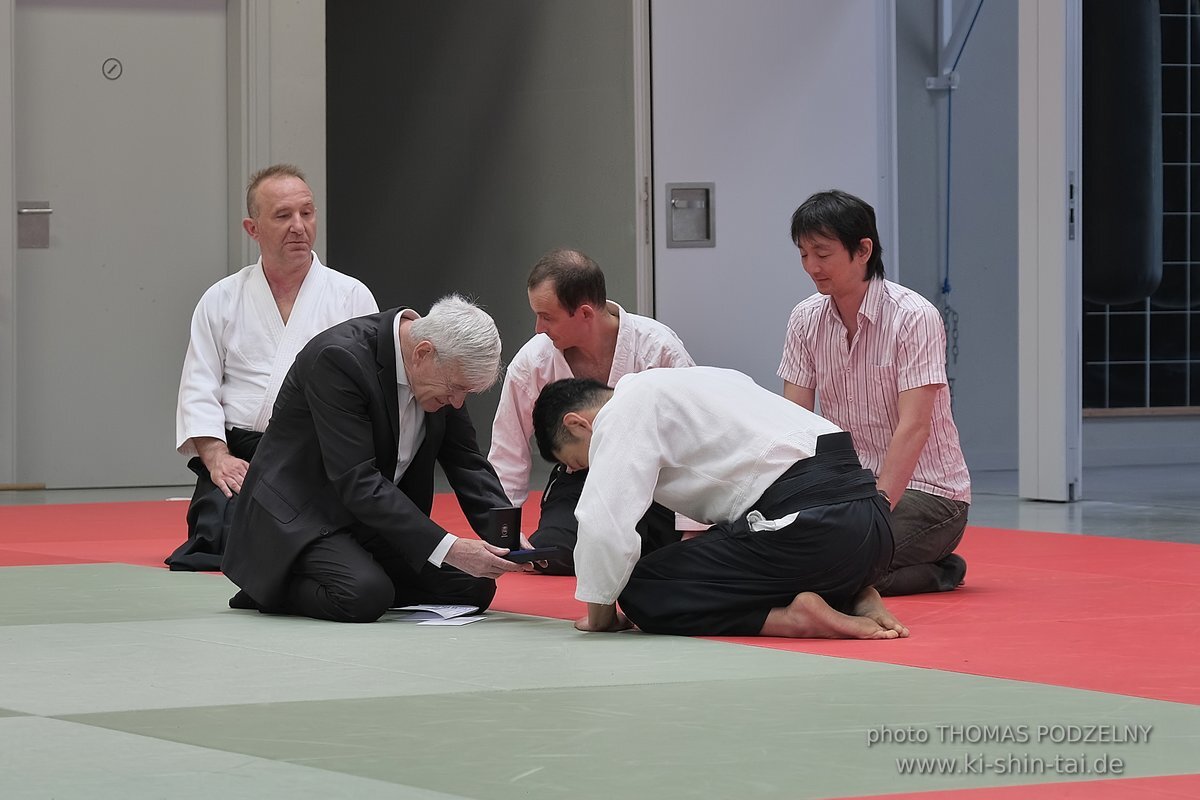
x,y
130,533
1113,615
1166,787
142,533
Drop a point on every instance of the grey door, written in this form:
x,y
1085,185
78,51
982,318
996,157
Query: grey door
x,y
120,123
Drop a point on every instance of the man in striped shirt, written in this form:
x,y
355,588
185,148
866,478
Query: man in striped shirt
x,y
874,354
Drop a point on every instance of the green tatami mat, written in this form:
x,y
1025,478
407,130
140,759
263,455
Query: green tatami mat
x,y
211,655
46,758
803,736
142,683
107,593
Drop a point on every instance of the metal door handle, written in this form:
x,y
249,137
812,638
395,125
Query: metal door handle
x,y
33,224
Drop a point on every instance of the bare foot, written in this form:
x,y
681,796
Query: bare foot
x,y
810,617
870,605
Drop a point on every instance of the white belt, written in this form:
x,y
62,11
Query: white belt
x,y
760,523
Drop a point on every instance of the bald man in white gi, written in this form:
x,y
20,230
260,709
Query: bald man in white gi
x,y
245,334
580,334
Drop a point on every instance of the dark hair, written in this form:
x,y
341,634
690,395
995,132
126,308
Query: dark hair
x,y
558,399
577,279
838,215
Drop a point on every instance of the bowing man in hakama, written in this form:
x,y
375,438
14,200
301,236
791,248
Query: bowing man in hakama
x,y
800,533
245,334
580,334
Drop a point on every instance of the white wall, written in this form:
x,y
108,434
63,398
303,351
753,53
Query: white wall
x,y
771,100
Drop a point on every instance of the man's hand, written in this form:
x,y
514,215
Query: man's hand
x,y
603,619
525,545
908,441
227,471
229,474
480,559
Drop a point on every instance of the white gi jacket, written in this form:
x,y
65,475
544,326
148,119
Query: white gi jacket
x,y
706,442
240,350
642,343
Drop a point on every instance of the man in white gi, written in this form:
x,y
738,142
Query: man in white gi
x,y
580,334
800,532
246,332
874,354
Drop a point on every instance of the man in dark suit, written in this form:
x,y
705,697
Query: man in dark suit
x,y
334,522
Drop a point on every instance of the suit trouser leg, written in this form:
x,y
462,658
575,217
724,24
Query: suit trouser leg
x,y
557,526
725,581
335,578
926,528
442,585
348,577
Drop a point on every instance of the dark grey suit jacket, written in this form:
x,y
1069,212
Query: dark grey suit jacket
x,y
327,459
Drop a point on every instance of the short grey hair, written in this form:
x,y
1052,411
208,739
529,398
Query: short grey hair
x,y
463,334
265,174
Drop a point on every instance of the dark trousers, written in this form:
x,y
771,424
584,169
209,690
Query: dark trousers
x,y
210,513
350,576
558,526
926,528
725,581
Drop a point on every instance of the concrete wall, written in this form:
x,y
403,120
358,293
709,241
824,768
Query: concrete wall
x,y
8,254
467,138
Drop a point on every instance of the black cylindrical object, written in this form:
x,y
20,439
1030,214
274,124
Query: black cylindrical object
x,y
1122,150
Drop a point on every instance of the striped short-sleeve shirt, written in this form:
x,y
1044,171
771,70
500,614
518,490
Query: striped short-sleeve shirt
x,y
900,344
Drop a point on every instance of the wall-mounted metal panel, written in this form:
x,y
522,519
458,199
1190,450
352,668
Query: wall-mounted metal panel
x,y
690,220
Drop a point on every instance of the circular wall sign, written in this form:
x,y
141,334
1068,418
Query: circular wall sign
x,y
112,69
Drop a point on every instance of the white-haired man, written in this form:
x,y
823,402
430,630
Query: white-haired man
x,y
334,517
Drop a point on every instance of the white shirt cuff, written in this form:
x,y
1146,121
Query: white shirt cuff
x,y
439,552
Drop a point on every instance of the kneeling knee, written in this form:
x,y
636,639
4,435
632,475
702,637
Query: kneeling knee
x,y
366,601
484,593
